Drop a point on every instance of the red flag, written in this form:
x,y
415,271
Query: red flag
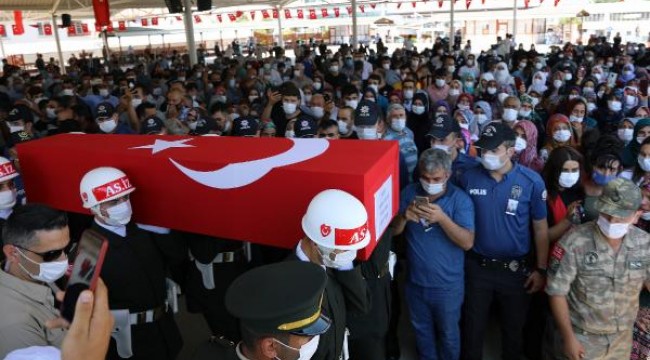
x,y
440,3
121,25
232,17
301,15
468,3
324,12
19,27
362,8
349,9
287,14
98,27
219,17
541,1
312,14
16,30
145,22
556,2
200,169
239,13
275,13
84,28
526,3
197,19
179,18
265,14
337,12
373,6
483,2
3,30
47,29
399,5
72,30
252,15
102,12
154,21
413,4
109,27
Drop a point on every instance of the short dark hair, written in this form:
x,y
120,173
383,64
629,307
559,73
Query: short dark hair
x,y
326,124
250,338
289,89
23,223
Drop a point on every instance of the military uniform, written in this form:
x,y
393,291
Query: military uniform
x,y
601,286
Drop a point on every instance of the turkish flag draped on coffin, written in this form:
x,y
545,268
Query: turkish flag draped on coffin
x,y
248,189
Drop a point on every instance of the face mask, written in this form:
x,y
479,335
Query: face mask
x,y
640,139
317,86
289,108
588,90
573,96
334,69
451,68
568,179
385,66
221,98
524,113
368,133
615,106
600,179
48,272
538,82
340,259
625,134
7,199
252,98
538,66
306,351
630,100
68,92
51,113
591,107
343,127
308,98
444,148
352,103
464,126
644,163
192,125
522,65
509,115
470,63
317,111
557,84
612,230
15,128
108,126
520,145
463,107
576,119
491,90
562,135
136,102
432,189
440,82
454,92
492,162
408,94
534,101
181,78
289,134
568,77
398,124
103,92
119,214
375,87
418,109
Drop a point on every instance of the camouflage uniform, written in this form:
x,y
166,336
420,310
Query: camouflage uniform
x,y
602,287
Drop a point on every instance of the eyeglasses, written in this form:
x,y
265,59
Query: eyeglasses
x,y
52,255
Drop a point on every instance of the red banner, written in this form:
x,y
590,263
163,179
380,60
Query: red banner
x,y
301,15
16,30
265,14
373,6
3,30
98,27
145,22
219,17
197,19
47,29
109,27
19,27
324,12
362,8
275,13
102,12
154,21
312,14
84,28
239,13
349,9
221,184
252,15
121,25
232,17
337,12
287,14
556,2
440,3
72,30
468,3
413,4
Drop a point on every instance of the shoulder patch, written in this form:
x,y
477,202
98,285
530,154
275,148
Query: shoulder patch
x,y
557,253
544,195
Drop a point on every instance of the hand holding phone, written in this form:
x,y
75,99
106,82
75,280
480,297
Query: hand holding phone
x,y
85,271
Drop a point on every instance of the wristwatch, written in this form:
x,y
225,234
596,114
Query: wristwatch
x,y
540,270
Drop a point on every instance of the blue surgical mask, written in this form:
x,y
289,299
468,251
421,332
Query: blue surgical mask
x,y
601,179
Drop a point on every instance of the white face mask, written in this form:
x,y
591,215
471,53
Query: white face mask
x,y
343,127
644,163
136,102
252,98
615,105
375,87
509,115
68,92
576,119
398,124
612,230
591,107
192,125
562,135
341,259
630,100
408,94
640,139
492,162
103,92
568,76
625,134
432,189
51,113
491,90
568,179
418,109
48,272
289,108
538,66
481,118
524,113
440,82
367,133
520,145
290,134
7,199
334,69
557,83
317,85
502,97
119,214
352,103
306,351
317,111
534,101
463,107
645,216
15,128
108,126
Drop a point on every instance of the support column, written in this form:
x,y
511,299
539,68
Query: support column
x,y
55,29
354,40
452,31
280,38
108,49
189,32
514,21
2,49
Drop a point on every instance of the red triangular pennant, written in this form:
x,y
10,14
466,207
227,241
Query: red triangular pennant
x,y
337,12
556,2
467,4
324,12
399,5
312,14
301,15
349,9
197,19
252,15
145,22
121,25
154,21
440,3
265,14
362,8
232,17
275,13
3,30
239,13
373,6
219,17
287,13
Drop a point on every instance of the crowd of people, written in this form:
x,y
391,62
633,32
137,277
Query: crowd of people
x,y
525,190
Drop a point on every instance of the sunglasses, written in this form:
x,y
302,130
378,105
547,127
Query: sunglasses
x,y
52,255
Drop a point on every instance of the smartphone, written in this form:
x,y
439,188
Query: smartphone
x,y
85,271
643,87
611,79
421,201
327,97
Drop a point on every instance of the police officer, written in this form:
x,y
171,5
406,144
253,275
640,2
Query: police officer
x,y
596,273
7,193
134,270
279,308
507,199
335,227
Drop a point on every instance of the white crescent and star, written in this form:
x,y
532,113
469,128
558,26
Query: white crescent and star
x,y
244,173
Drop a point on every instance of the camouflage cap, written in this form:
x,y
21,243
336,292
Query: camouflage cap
x,y
620,198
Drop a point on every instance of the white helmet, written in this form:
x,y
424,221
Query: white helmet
x,y
7,170
103,184
337,220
